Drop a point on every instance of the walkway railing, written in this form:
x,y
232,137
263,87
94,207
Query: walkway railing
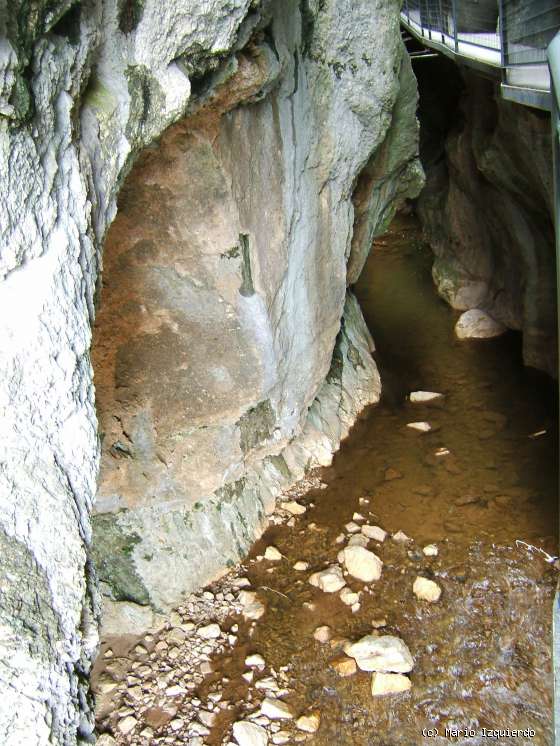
x,y
507,37
554,63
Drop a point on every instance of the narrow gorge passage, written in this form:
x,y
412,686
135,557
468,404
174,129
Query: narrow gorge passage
x,y
482,478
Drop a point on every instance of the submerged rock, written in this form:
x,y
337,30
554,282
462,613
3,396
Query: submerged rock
x,y
362,564
330,580
420,397
477,324
272,554
322,634
384,653
309,723
426,590
344,666
389,683
374,532
430,550
423,427
253,608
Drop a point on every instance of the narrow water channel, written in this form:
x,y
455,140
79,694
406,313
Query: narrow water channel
x,y
481,653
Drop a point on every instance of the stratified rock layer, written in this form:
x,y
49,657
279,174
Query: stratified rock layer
x,y
286,104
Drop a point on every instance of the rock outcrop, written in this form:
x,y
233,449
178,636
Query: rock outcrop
x,y
487,208
286,105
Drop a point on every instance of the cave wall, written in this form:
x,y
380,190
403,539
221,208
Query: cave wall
x,y
487,206
84,87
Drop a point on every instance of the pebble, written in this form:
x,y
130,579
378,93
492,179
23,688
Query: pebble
x,y
401,537
255,661
301,566
348,597
352,527
358,540
209,631
430,550
358,517
424,396
389,683
249,734
374,532
322,634
275,709
422,427
329,580
384,653
280,738
344,666
362,564
426,590
271,553
364,501
253,608
293,507
127,724
391,474
339,539
442,452
378,623
309,723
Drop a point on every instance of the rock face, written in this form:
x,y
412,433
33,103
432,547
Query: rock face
x,y
224,288
487,209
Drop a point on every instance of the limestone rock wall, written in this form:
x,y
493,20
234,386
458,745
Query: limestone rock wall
x,y
487,206
293,100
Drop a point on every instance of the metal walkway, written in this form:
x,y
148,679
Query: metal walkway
x,y
506,39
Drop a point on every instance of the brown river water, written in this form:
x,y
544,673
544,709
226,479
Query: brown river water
x,y
483,652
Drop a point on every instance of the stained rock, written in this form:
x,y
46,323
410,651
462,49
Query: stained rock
x,y
426,590
389,683
477,324
392,474
329,580
362,564
384,653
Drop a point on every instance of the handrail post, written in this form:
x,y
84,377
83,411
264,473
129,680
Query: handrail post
x,y
553,54
502,19
455,34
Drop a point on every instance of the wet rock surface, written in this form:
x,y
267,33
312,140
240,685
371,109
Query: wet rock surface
x,y
480,655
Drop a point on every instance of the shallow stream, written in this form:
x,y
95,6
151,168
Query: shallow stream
x,y
482,652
